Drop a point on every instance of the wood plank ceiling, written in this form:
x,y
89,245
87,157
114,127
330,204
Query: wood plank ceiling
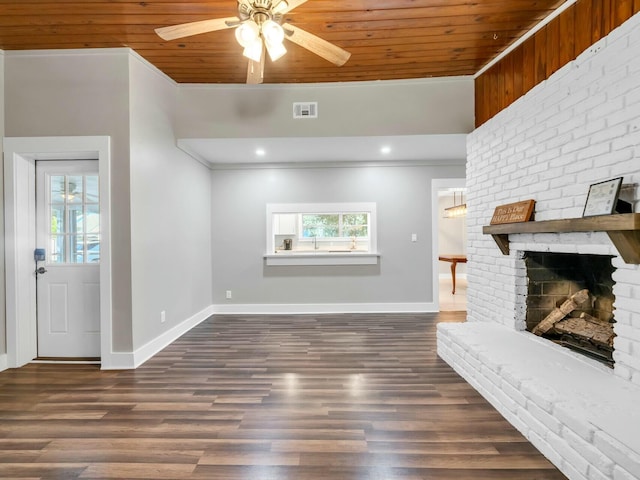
x,y
388,39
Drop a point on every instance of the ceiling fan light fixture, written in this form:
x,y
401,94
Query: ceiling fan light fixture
x,y
273,35
276,50
259,28
254,50
280,7
247,33
272,32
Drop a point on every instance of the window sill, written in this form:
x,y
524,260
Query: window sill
x,y
322,258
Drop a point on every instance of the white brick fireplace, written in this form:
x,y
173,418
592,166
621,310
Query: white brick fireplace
x,y
580,127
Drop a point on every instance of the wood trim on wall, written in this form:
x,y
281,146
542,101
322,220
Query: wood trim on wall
x,y
552,47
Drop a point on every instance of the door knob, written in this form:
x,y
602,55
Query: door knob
x,y
41,270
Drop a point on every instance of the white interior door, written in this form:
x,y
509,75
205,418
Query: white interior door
x,y
68,280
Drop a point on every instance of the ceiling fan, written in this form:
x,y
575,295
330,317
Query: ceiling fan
x,y
259,27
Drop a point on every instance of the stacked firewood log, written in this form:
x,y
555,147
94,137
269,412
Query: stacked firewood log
x,y
586,327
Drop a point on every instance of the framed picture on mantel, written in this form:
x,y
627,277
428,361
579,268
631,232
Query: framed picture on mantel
x,y
602,198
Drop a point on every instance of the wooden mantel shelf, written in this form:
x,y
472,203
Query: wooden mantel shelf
x,y
623,230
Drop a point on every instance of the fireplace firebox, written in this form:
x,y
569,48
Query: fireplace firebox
x,y
570,301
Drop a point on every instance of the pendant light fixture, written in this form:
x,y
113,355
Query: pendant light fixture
x,y
458,209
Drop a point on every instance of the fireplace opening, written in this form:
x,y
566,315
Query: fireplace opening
x,y
570,301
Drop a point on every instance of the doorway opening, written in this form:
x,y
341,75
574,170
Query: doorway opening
x,y
450,244
21,154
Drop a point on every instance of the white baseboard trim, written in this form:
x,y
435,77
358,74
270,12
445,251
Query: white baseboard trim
x,y
131,360
3,362
117,361
320,308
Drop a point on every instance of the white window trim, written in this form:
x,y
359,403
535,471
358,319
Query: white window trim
x,y
322,258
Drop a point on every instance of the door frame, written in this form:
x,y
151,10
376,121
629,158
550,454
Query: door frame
x,y
436,185
20,155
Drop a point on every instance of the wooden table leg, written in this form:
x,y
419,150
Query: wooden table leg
x,y
455,260
453,276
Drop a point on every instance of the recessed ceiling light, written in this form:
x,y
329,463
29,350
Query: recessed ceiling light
x,y
385,150
260,152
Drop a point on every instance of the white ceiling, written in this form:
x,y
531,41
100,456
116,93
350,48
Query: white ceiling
x,y
432,149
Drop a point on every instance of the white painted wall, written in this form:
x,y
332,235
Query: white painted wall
x,y
64,93
408,107
404,206
170,212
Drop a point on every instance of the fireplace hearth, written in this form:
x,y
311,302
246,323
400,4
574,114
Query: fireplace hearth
x,y
570,301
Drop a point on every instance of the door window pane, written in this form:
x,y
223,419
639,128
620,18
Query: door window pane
x,y
57,218
77,247
75,189
92,219
57,249
93,249
57,185
75,219
92,189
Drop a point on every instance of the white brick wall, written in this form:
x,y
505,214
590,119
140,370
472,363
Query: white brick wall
x,y
579,127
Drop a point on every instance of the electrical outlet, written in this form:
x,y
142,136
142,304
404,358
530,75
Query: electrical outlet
x,y
414,237
228,294
163,316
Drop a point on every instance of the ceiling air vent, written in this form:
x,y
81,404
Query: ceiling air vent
x,y
305,109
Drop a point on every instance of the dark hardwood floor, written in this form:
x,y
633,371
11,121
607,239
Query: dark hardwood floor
x,y
335,397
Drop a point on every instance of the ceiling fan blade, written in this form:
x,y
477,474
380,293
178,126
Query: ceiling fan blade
x,y
255,70
194,28
317,45
293,4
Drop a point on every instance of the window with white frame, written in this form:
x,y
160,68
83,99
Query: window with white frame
x,y
321,228
334,225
